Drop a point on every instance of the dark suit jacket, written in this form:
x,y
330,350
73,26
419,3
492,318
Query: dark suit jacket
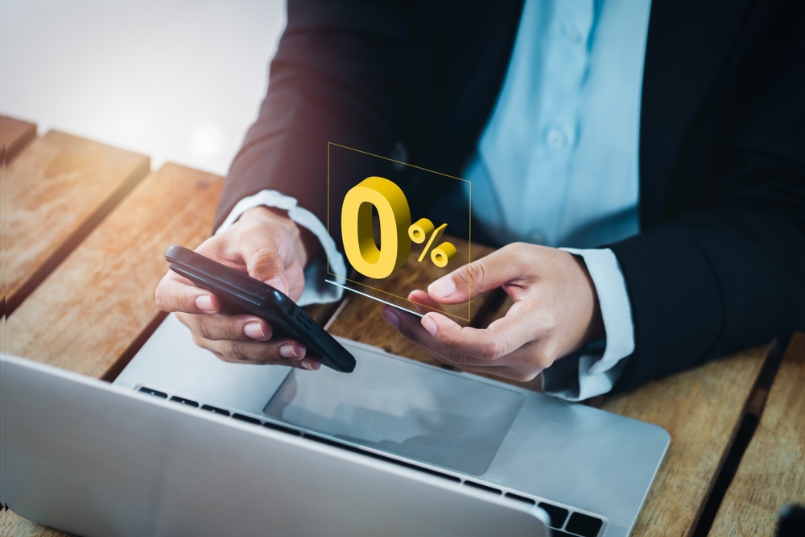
x,y
720,262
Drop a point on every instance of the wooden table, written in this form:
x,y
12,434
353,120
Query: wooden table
x,y
85,228
772,471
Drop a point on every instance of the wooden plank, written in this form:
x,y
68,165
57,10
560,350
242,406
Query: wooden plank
x,y
14,135
702,409
57,190
360,319
12,525
97,308
772,470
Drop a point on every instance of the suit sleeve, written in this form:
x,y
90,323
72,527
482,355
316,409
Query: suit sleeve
x,y
341,74
720,278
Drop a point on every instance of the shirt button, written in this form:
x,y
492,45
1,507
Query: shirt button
x,y
572,33
537,237
556,138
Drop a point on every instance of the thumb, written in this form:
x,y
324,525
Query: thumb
x,y
265,262
474,278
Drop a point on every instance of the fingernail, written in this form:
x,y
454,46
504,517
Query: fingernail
x,y
391,318
289,350
443,287
430,325
204,303
310,365
254,331
278,284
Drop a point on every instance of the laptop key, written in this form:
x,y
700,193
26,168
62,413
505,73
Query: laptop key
x,y
584,525
557,533
149,391
188,402
481,486
277,427
247,419
215,410
521,498
556,513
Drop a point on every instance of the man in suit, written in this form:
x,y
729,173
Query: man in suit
x,y
664,139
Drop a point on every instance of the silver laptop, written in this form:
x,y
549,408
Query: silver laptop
x,y
184,444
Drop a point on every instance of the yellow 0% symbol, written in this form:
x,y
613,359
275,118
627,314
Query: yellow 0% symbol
x,y
396,230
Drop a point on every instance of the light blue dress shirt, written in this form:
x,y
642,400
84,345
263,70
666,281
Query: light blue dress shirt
x,y
557,164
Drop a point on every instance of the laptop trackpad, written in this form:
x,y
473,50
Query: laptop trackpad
x,y
402,407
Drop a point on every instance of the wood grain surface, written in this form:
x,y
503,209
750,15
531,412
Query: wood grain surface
x,y
701,409
360,319
14,135
772,470
90,312
56,191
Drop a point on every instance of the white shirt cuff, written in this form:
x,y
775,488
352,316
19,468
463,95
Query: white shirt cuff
x,y
316,291
589,372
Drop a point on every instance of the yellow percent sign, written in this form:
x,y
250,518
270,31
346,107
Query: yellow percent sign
x,y
396,230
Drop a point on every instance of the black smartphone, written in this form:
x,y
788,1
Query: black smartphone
x,y
240,293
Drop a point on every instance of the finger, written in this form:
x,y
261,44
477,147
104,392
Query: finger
x,y
296,280
258,253
179,295
470,280
410,327
500,339
220,327
423,302
523,364
267,257
286,352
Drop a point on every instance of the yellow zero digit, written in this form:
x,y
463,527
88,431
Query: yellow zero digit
x,y
357,233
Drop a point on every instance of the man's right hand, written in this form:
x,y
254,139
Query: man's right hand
x,y
269,247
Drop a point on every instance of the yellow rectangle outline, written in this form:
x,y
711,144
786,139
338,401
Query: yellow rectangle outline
x,y
469,230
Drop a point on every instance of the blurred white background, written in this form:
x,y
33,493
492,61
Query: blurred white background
x,y
177,80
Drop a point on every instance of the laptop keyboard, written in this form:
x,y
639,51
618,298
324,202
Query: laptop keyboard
x,y
576,525
558,515
585,525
